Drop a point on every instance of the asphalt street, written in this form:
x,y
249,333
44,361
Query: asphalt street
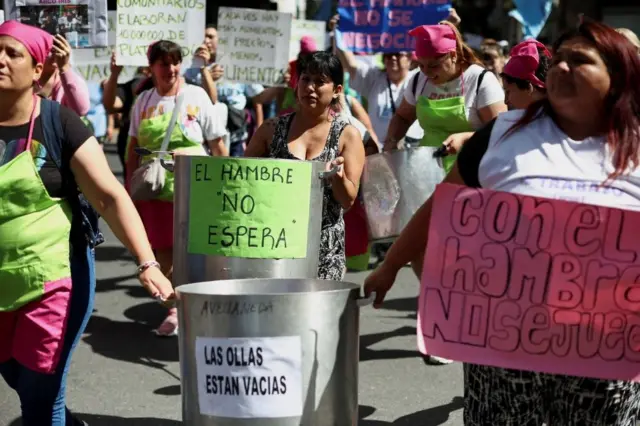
x,y
123,375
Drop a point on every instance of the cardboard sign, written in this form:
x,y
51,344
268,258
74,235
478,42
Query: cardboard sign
x,y
249,208
370,26
303,27
250,377
253,45
82,22
141,23
532,283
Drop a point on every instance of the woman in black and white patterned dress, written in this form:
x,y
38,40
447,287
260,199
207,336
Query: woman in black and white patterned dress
x,y
315,132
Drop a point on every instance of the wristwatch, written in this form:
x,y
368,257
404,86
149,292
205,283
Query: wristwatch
x,y
146,265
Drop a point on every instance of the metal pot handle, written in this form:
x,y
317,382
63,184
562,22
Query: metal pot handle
x,y
168,165
366,301
332,172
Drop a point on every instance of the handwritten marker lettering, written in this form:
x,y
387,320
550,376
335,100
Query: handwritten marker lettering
x,y
139,23
249,377
242,208
371,26
254,45
532,283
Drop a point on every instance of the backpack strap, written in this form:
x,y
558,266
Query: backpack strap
x,y
480,78
52,129
415,84
85,221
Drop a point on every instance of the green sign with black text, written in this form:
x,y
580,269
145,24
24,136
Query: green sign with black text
x,y
249,208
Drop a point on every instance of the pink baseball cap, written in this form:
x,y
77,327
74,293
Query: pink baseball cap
x,y
308,45
434,40
37,42
524,60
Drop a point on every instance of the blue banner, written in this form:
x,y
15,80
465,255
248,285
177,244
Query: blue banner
x,y
372,26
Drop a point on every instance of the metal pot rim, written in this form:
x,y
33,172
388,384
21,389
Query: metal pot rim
x,y
226,288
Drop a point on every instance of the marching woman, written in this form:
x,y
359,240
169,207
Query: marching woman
x,y
585,133
523,79
46,241
451,94
316,132
198,128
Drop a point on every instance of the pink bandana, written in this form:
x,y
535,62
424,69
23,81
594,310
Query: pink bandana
x,y
433,40
524,60
37,42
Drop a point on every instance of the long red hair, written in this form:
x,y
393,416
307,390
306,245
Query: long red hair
x,y
622,103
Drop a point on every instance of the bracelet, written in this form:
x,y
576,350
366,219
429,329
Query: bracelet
x,y
146,265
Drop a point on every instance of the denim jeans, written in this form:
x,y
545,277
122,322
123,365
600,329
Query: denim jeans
x,y
42,396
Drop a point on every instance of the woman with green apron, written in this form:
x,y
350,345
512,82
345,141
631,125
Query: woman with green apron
x,y
200,126
452,94
48,231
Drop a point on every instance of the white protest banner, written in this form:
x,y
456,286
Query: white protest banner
x,y
250,377
143,22
82,22
94,65
253,45
302,27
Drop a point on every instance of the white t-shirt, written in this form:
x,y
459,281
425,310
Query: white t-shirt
x,y
372,83
489,93
199,120
541,160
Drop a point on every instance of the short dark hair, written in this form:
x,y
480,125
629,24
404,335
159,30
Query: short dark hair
x,y
322,63
211,26
164,49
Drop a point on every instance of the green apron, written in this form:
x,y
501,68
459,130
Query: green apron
x,y
151,133
34,232
441,118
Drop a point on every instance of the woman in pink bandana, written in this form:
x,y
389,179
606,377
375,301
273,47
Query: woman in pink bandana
x,y
523,79
453,93
579,143
524,75
47,271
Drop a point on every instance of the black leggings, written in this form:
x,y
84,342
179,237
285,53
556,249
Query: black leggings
x,y
501,397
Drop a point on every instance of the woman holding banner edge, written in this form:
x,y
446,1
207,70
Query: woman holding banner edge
x,y
586,130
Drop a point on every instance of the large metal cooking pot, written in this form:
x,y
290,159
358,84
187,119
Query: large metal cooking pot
x,y
190,267
394,186
269,352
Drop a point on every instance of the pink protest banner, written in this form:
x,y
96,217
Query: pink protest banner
x,y
532,284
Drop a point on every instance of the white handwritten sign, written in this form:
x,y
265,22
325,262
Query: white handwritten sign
x,y
250,377
253,45
94,65
302,27
142,23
